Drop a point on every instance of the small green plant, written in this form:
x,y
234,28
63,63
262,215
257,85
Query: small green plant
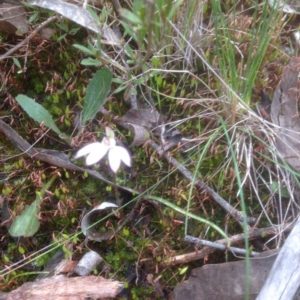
x,y
27,224
64,26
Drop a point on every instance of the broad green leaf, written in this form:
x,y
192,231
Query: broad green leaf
x,y
27,224
37,112
96,94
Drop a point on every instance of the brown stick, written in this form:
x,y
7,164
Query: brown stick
x,y
201,185
62,288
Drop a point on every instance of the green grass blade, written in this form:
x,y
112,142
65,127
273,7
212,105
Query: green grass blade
x,y
191,215
200,159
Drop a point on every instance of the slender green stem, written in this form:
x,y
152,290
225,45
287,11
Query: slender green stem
x,y
241,194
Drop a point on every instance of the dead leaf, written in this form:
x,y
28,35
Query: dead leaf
x,y
142,122
284,113
141,135
13,18
80,16
148,118
93,216
66,266
155,284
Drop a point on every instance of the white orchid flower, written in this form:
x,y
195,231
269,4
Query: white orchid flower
x,y
96,151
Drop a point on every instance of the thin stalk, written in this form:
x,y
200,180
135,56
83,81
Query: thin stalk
x,y
202,155
241,193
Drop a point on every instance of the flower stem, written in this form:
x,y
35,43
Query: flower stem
x,y
117,195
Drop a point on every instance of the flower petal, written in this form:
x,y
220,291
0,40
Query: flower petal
x,y
95,152
124,155
114,159
86,149
116,155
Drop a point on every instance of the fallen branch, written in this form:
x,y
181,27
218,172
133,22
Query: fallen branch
x,y
217,246
60,287
252,234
